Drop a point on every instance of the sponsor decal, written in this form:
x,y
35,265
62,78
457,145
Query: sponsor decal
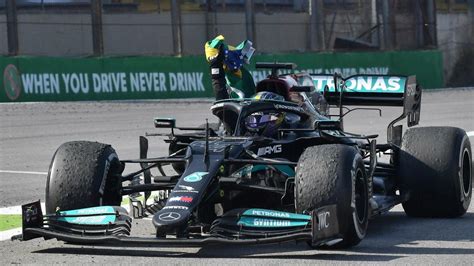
x,y
187,188
324,223
269,150
175,208
411,90
323,220
31,217
30,213
217,105
214,71
169,216
276,214
195,177
186,199
245,103
320,82
270,213
184,191
288,107
271,223
375,84
93,210
262,222
380,84
104,176
162,123
12,82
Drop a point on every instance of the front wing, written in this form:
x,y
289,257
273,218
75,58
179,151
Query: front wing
x,y
322,228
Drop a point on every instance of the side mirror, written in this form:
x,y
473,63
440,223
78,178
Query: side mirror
x,y
327,125
165,122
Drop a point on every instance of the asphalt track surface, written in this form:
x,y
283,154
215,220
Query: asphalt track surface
x,y
30,133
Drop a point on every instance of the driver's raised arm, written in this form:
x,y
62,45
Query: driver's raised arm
x,y
215,57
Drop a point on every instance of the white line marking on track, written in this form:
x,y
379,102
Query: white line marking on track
x,y
470,134
6,235
23,172
16,209
11,210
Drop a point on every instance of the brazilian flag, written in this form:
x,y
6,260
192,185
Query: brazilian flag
x,y
236,74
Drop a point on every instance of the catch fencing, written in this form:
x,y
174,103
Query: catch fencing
x,y
173,27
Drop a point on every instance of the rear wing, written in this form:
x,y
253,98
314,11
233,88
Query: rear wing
x,y
374,90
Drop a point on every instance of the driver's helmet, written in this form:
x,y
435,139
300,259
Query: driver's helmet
x,y
267,95
264,124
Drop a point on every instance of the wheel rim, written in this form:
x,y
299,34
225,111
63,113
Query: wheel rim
x,y
466,173
360,197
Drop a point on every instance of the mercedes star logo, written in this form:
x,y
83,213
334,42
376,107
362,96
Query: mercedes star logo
x,y
169,216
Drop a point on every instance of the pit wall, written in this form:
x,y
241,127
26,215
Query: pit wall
x,y
31,79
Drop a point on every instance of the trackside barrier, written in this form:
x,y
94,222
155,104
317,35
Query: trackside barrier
x,y
26,79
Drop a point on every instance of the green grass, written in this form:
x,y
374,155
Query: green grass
x,y
9,221
126,200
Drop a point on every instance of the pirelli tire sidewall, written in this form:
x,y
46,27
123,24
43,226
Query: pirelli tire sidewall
x,y
83,174
326,175
435,171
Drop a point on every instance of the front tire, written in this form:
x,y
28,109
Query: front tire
x,y
335,174
83,174
435,169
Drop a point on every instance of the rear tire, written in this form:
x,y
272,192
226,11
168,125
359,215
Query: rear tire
x,y
335,174
435,169
83,174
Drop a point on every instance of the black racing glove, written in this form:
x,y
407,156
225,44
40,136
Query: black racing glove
x,y
218,75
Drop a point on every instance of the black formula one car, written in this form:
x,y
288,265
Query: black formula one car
x,y
277,168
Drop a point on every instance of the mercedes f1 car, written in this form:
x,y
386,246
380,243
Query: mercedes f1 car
x,y
276,169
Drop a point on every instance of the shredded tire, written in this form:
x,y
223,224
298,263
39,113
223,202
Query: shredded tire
x,y
327,174
83,174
